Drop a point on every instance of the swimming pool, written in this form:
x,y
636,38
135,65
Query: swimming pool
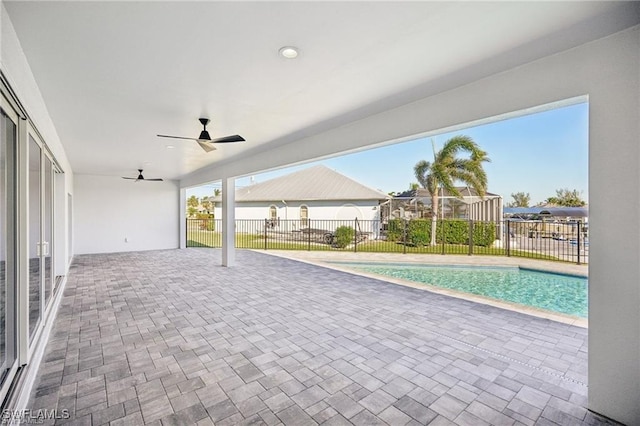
x,y
565,294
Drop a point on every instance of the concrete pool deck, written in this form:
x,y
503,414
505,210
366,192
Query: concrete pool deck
x,y
329,259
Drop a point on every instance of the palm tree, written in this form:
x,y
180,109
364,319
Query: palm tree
x,y
447,169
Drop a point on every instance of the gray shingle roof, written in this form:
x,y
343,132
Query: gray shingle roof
x,y
315,183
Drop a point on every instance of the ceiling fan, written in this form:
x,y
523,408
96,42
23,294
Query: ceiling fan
x,y
140,177
204,140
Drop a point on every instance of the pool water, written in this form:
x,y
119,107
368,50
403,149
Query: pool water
x,y
565,294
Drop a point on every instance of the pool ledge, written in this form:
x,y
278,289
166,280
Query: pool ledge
x,y
327,260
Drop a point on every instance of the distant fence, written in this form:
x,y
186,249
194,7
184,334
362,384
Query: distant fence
x,y
546,240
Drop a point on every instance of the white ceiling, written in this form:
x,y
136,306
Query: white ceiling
x,y
114,74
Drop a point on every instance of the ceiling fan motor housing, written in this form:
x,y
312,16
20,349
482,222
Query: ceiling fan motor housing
x,y
204,135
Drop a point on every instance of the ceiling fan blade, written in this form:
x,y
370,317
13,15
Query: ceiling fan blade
x,y
227,139
177,137
155,180
206,146
129,178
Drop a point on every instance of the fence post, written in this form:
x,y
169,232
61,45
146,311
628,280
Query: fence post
x,y
186,234
442,235
404,236
470,237
266,222
508,238
355,236
578,239
309,235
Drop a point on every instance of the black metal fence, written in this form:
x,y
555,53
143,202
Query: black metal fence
x,y
546,240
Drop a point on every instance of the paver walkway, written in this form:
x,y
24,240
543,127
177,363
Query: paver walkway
x,y
170,337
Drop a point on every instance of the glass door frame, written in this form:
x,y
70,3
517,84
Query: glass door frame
x,y
26,348
45,247
12,318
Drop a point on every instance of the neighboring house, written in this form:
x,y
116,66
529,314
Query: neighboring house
x,y
318,193
416,203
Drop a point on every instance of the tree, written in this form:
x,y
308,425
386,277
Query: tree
x,y
413,186
193,201
207,204
210,204
192,206
567,198
520,199
447,169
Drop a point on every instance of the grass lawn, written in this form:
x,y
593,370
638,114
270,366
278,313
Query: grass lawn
x,y
255,241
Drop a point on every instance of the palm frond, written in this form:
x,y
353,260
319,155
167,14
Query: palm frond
x,y
421,171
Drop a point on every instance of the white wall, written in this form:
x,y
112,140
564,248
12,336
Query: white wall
x,y
318,210
16,69
607,71
614,269
326,215
109,209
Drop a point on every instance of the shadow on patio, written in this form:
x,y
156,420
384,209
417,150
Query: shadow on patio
x,y
170,337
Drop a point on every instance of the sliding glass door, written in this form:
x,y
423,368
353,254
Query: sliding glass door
x,y
30,184
47,229
8,142
36,302
41,274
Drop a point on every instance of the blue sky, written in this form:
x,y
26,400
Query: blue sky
x,y
536,153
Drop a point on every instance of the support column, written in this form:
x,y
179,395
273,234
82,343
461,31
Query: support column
x,y
182,215
228,221
614,252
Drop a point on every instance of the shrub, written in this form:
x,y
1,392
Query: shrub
x,y
484,233
419,232
207,223
453,231
395,230
344,235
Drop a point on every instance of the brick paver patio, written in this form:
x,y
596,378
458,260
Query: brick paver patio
x,y
170,337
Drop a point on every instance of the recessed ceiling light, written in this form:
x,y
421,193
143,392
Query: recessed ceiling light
x,y
289,52
169,146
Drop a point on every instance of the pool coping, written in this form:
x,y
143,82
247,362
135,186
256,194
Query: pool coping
x,y
325,260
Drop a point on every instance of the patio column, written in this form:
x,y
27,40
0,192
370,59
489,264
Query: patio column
x,y
183,218
614,252
228,221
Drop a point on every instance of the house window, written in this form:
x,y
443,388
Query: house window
x,y
272,222
304,215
